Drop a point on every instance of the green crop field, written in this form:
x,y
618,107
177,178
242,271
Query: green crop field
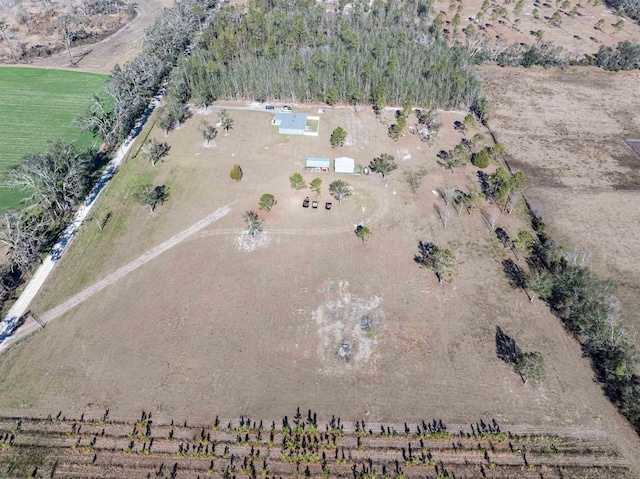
x,y
38,105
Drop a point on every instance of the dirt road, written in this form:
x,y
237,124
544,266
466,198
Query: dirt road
x,y
118,48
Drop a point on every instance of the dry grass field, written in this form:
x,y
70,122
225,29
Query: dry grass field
x,y
566,131
118,48
577,33
222,325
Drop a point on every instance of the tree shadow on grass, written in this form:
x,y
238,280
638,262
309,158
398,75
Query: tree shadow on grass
x,y
506,347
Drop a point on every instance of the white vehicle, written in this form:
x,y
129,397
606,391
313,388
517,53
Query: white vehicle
x,y
286,109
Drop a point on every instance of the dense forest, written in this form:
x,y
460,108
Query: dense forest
x,y
299,51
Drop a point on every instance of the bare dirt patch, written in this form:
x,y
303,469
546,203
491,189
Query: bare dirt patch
x,y
566,130
208,328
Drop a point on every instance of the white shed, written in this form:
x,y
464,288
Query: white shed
x,y
344,165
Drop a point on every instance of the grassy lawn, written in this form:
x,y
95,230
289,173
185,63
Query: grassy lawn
x,y
38,105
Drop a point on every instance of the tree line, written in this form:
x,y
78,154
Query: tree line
x,y
132,86
587,306
59,179
384,53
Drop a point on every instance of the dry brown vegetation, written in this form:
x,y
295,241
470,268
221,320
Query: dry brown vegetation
x,y
36,29
566,130
577,33
220,323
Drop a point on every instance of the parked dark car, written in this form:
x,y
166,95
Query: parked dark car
x,y
269,107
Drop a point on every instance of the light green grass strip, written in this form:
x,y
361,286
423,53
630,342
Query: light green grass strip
x,y
36,106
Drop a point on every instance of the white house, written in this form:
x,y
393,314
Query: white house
x,y
344,165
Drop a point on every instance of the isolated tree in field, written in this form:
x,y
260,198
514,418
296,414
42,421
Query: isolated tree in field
x,y
267,201
619,25
154,150
539,282
236,173
207,130
151,196
439,260
339,189
481,159
363,233
297,182
383,164
68,26
338,137
254,225
226,122
556,19
449,194
530,367
316,185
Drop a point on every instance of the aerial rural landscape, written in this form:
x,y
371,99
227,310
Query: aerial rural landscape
x,y
319,238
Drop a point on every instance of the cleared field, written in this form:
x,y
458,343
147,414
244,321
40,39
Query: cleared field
x,y
100,448
220,323
36,106
566,130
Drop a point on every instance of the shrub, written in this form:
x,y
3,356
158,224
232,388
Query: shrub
x,y
481,159
530,366
236,173
338,137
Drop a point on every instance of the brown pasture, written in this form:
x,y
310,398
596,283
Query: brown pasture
x,y
566,130
220,325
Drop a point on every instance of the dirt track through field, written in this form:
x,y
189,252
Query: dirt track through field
x,y
126,269
117,275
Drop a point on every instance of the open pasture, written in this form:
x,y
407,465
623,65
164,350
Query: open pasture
x,y
566,131
37,106
221,324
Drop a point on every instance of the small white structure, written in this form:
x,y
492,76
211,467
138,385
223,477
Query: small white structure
x,y
344,165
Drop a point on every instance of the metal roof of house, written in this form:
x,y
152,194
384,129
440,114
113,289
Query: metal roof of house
x,y
318,162
291,121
